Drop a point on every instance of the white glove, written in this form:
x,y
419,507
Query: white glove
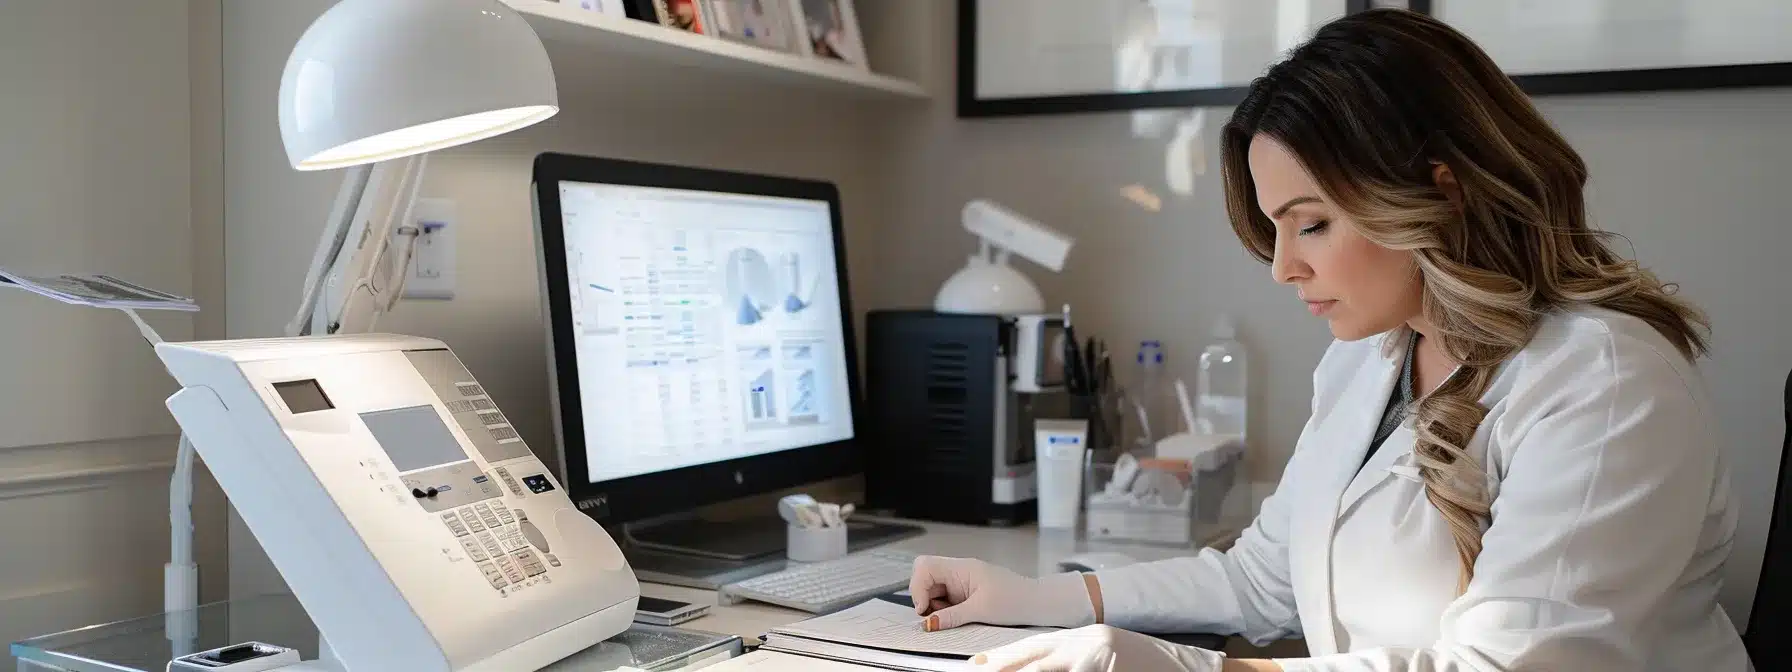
x,y
954,591
1098,648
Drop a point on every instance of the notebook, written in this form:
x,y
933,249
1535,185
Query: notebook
x,y
888,635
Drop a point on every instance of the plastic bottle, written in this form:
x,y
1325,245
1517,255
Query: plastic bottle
x,y
1221,394
1151,411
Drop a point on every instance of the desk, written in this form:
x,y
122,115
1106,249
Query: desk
x,y
1027,550
140,645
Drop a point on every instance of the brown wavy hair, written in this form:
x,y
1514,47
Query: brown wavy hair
x,y
1369,106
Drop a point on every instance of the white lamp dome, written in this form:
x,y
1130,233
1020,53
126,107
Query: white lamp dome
x,y
373,80
983,287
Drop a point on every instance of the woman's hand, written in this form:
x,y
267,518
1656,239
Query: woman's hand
x,y
954,591
1097,648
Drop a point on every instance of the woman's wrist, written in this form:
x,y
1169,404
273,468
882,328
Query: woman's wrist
x,y
1095,595
1257,665
1094,586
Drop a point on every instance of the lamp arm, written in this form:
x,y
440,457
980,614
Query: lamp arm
x,y
329,246
358,273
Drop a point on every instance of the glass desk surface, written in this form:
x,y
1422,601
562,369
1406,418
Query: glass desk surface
x,y
142,644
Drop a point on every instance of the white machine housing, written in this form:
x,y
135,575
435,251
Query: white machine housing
x,y
413,524
987,284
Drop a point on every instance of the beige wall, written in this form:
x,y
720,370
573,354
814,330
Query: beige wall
x,y
98,172
1694,180
495,322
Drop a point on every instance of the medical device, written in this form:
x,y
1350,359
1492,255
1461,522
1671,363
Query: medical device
x,y
944,411
702,350
987,285
374,86
952,391
408,517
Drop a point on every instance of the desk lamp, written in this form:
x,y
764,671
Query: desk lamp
x,y
373,86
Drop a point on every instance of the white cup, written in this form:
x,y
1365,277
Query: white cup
x,y
814,544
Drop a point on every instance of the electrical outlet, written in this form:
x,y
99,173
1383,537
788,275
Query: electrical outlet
x,y
432,267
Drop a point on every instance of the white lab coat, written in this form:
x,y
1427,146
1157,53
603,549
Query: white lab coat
x,y
1611,521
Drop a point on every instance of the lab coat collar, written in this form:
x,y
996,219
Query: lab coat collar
x,y
1400,443
1345,432
1395,459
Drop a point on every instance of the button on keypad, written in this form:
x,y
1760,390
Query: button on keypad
x,y
493,575
491,543
531,565
454,524
474,550
511,571
472,518
485,514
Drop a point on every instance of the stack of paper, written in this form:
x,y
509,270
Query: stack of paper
x,y
888,635
100,291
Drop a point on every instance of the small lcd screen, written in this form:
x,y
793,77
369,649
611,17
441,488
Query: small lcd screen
x,y
303,396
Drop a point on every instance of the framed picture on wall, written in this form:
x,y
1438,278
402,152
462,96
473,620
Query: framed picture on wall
x,y
1594,46
686,15
1019,57
766,23
829,30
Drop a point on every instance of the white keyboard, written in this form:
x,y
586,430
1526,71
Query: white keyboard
x,y
827,586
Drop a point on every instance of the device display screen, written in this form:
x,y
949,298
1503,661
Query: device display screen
x,y
415,437
303,396
709,326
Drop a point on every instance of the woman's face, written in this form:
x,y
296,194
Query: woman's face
x,y
1360,288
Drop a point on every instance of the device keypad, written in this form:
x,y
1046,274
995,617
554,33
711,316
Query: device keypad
x,y
498,539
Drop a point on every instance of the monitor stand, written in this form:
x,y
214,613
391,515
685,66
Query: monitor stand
x,y
685,550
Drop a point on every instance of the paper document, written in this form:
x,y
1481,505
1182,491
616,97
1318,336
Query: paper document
x,y
101,291
887,625
859,655
767,661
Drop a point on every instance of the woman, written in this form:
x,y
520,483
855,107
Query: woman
x,y
1510,462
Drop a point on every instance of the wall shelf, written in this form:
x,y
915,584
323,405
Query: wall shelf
x,y
639,41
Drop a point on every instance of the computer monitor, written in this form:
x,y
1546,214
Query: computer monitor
x,y
700,334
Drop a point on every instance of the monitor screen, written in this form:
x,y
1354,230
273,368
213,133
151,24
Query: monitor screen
x,y
707,326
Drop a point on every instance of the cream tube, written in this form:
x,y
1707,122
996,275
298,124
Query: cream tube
x,y
1060,446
